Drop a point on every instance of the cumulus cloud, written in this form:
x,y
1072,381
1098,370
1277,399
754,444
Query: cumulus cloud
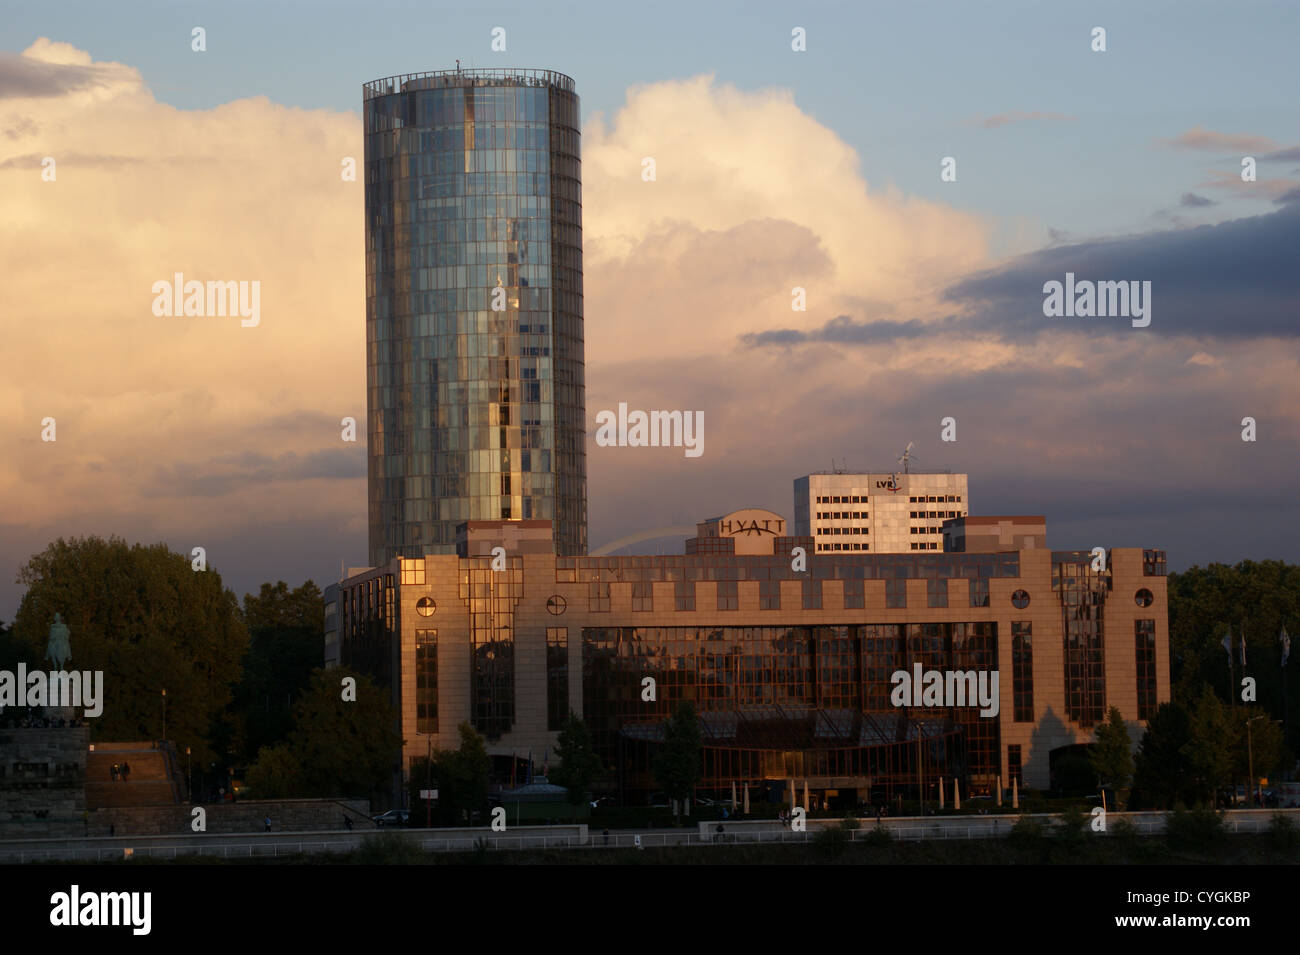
x,y
148,409
198,430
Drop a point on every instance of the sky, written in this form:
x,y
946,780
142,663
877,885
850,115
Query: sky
x,y
775,169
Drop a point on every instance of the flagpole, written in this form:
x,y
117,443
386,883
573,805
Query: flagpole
x,y
1285,640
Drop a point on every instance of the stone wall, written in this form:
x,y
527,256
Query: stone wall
x,y
42,774
287,815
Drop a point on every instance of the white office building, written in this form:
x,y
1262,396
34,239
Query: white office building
x,y
887,513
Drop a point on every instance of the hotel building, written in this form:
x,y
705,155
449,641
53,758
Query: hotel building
x,y
789,662
896,513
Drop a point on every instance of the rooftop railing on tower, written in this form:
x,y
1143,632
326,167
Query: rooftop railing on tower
x,y
453,79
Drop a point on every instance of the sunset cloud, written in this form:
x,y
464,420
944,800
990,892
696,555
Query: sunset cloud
x,y
197,430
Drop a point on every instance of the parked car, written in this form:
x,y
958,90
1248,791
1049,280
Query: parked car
x,y
394,817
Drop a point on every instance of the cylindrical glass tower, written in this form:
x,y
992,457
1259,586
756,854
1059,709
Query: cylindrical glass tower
x,y
474,339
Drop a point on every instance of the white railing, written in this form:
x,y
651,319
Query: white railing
x,y
911,829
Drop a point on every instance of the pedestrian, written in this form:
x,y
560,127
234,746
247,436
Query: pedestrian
x,y
112,829
606,837
347,822
268,823
116,770
126,771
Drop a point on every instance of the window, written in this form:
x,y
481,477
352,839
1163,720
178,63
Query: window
x,y
979,592
556,605
728,598
1020,599
425,606
854,594
936,593
557,677
1013,767
426,682
896,592
1153,563
1145,633
685,595
598,597
412,572
1022,670
1143,598
812,594
769,595
642,596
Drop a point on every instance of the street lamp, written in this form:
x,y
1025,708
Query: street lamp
x,y
189,776
1250,762
164,696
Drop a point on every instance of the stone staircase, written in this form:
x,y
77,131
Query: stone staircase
x,y
151,783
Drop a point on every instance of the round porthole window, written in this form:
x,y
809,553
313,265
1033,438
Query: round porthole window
x,y
1020,599
556,605
1143,598
425,606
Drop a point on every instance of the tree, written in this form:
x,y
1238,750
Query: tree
x,y
472,766
1112,753
459,775
150,622
1209,751
1254,597
11,651
286,643
678,765
1163,774
1263,745
579,764
344,747
277,774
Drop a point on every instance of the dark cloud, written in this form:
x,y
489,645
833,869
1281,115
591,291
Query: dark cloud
x,y
22,77
842,330
231,472
1284,155
69,160
1195,201
1236,279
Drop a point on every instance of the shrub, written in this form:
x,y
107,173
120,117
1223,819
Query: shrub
x,y
1026,832
1071,825
1124,831
1283,832
1194,829
879,836
831,841
388,848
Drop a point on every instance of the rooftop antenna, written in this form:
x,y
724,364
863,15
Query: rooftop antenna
x,y
906,457
458,66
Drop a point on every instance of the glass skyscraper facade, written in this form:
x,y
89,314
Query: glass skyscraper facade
x,y
474,334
